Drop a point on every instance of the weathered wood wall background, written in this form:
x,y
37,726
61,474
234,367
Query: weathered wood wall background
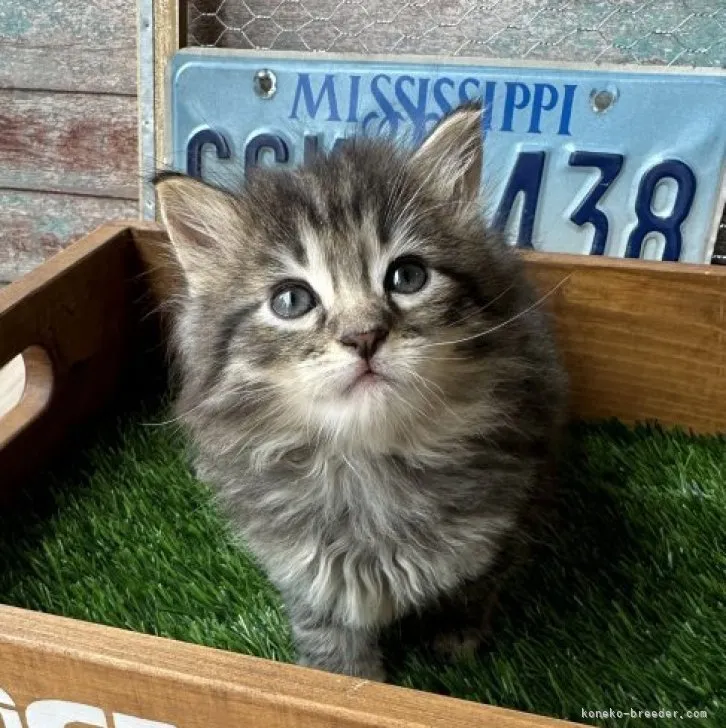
x,y
68,126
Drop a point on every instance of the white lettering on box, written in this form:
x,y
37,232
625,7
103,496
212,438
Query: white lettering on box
x,y
62,713
9,717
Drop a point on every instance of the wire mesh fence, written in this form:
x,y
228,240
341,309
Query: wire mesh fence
x,y
657,32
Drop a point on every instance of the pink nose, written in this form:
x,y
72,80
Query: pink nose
x,y
366,343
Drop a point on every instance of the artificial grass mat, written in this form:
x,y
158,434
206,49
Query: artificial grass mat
x,y
623,609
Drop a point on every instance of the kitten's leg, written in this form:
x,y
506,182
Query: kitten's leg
x,y
325,645
464,622
465,617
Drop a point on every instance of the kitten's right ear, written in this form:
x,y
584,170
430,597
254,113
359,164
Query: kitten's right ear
x,y
199,221
452,155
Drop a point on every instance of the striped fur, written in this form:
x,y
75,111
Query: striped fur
x,y
364,503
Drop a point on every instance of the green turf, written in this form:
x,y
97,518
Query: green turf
x,y
625,609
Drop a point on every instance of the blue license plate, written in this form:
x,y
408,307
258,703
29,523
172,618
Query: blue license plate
x,y
618,162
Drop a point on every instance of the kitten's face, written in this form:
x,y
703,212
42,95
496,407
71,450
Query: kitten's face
x,y
349,324
334,300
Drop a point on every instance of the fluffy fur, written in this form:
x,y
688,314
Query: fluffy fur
x,y
365,498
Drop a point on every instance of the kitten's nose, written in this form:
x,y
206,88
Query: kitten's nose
x,y
366,343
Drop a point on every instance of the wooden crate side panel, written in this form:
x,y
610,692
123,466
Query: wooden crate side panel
x,y
79,309
36,225
69,45
186,686
72,143
641,341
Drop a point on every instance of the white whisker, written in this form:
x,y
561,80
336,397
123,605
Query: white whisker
x,y
501,325
481,309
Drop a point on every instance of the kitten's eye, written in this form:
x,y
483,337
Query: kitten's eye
x,y
406,275
292,301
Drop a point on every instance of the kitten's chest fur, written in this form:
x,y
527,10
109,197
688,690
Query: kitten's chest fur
x,y
368,540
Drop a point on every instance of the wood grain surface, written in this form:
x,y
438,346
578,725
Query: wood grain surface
x,y
75,134
69,45
186,686
73,143
80,308
34,225
641,341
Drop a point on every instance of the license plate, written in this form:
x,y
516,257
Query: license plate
x,y
600,161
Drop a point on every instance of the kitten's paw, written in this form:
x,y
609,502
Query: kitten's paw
x,y
458,644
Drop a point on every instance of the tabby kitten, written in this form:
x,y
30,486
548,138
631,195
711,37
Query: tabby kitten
x,y
368,382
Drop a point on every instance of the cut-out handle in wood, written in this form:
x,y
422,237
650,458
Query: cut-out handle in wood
x,y
36,370
72,318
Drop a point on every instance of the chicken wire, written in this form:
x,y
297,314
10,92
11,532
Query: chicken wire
x,y
658,32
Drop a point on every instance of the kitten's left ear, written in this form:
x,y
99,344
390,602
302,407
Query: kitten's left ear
x,y
452,155
200,220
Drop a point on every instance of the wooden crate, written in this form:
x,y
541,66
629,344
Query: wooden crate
x,y
641,341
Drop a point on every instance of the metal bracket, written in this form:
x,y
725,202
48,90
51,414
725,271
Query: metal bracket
x,y
147,141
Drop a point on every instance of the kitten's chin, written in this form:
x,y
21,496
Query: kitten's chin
x,y
368,382
369,394
371,407
362,412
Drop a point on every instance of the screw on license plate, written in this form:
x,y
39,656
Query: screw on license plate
x,y
603,98
265,83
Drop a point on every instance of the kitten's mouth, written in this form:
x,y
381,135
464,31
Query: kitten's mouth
x,y
366,378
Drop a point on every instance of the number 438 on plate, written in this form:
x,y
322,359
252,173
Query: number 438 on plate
x,y
588,160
